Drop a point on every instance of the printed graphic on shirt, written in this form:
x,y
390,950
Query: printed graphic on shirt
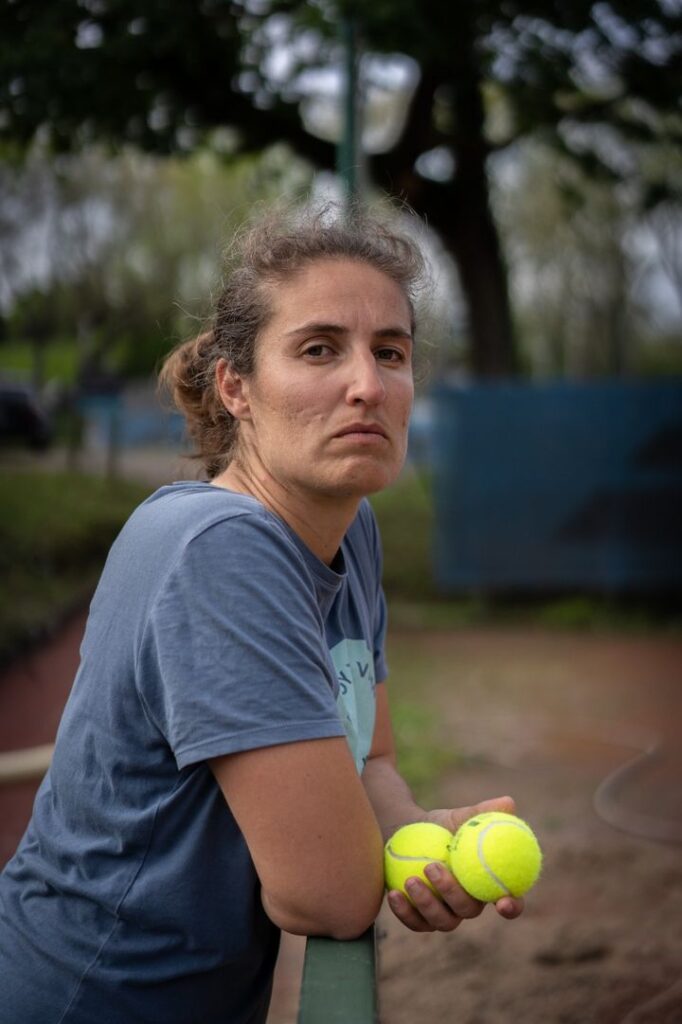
x,y
354,665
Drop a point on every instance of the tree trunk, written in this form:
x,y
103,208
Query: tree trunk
x,y
470,233
459,209
468,227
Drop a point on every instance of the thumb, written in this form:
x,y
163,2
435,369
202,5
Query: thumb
x,y
458,815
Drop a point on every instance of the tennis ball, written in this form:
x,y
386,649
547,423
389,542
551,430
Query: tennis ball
x,y
410,849
495,854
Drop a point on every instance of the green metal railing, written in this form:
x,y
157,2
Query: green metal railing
x,y
339,982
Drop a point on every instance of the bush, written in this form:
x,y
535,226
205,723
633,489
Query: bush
x,y
55,533
405,518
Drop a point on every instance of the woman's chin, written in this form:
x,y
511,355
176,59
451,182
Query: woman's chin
x,y
365,480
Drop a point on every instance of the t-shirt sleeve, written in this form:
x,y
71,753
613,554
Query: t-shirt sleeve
x,y
233,656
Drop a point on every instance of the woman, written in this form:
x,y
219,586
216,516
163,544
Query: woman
x,y
225,766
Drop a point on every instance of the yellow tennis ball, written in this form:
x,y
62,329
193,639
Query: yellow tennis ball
x,y
495,854
410,849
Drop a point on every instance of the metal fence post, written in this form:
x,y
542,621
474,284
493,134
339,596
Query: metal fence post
x,y
339,982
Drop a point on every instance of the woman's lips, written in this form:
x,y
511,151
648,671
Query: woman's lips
x,y
363,431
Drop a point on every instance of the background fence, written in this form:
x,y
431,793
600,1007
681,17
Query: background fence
x,y
558,486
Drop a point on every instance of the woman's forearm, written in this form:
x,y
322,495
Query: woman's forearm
x,y
390,796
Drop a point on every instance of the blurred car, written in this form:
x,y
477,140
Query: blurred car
x,y
23,420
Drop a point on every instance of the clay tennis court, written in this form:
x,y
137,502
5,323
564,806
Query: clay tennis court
x,y
553,718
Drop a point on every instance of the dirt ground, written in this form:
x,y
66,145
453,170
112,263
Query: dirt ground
x,y
554,719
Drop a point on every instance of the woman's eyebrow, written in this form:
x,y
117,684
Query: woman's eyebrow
x,y
319,327
394,332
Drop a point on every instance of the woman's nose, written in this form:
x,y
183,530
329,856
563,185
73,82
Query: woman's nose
x,y
366,383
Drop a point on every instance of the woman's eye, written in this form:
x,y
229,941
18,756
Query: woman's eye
x,y
317,350
390,355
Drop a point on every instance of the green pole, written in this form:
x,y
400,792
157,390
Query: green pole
x,y
347,150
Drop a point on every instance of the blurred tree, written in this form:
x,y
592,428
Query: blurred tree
x,y
600,79
131,245
35,317
573,272
25,195
664,226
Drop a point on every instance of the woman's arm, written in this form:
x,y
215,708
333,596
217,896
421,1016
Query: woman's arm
x,y
395,806
312,833
388,792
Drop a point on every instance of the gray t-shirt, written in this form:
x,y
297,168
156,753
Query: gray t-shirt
x,y
214,629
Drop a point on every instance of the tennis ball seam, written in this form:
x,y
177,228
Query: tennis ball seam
x,y
476,859
481,854
421,857
410,850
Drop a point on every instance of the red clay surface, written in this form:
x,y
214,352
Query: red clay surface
x,y
33,692
553,719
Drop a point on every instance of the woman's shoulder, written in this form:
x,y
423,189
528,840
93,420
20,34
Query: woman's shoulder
x,y
196,494
196,505
191,519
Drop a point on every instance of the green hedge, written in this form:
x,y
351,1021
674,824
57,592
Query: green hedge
x,y
55,532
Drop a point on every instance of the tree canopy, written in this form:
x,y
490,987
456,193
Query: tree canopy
x,y
599,80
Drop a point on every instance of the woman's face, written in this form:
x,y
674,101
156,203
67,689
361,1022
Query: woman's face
x,y
326,409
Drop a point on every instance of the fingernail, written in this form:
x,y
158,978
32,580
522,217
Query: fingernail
x,y
412,885
433,872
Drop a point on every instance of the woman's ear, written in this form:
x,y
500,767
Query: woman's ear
x,y
233,390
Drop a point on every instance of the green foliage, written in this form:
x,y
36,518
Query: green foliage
x,y
38,313
598,80
602,614
132,247
659,356
138,356
116,69
16,359
581,256
422,750
424,745
55,532
405,516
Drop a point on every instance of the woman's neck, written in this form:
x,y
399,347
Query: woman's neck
x,y
321,521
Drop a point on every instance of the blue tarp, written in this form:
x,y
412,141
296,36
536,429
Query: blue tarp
x,y
558,486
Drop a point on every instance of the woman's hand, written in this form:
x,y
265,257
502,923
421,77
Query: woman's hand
x,y
427,913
